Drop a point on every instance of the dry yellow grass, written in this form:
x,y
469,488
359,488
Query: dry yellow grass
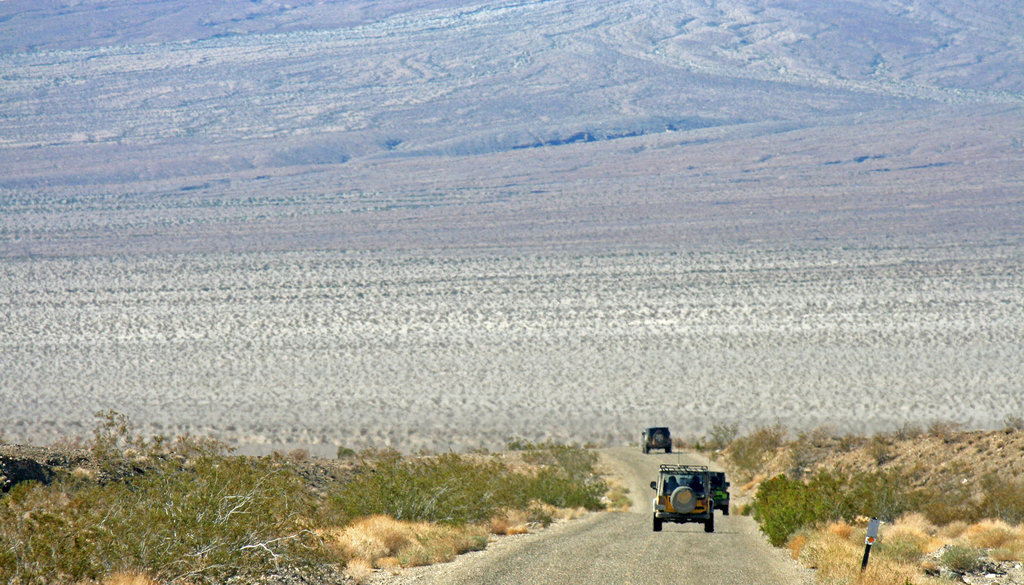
x,y
359,570
383,542
914,528
796,544
953,530
568,513
989,534
509,522
1005,542
129,579
837,558
618,495
390,564
841,529
836,549
885,572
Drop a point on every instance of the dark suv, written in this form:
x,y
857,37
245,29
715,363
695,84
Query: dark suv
x,y
656,438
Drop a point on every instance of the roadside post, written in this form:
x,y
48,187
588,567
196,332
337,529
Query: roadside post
x,y
868,541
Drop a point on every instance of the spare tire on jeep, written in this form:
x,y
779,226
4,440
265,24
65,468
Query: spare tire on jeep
x,y
683,499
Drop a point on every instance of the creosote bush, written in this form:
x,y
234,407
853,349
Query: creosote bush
x,y
188,511
782,505
455,489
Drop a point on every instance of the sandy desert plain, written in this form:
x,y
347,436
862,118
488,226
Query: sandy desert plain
x,y
443,224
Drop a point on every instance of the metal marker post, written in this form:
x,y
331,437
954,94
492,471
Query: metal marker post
x,y
868,541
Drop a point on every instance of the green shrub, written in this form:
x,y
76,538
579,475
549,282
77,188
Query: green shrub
x,y
454,489
782,506
449,489
216,517
188,511
904,548
962,559
880,494
182,510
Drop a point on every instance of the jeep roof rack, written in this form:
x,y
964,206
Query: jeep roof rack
x,y
684,468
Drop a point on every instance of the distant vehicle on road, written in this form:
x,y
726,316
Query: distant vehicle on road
x,y
656,438
720,491
683,494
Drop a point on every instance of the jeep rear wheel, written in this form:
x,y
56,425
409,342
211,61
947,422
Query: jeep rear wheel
x,y
657,524
709,524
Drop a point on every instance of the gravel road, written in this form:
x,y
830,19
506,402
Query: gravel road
x,y
617,548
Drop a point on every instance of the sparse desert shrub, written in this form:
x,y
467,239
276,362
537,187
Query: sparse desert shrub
x,y
359,570
962,559
945,429
345,452
1007,553
567,478
828,553
797,542
1003,499
448,488
1013,423
217,517
748,453
442,544
849,442
880,494
509,522
880,450
944,503
912,528
902,547
836,552
454,489
953,530
801,457
908,431
175,510
722,435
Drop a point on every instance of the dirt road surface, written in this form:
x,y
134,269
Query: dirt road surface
x,y
620,548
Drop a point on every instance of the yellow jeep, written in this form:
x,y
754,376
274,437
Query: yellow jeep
x,y
683,495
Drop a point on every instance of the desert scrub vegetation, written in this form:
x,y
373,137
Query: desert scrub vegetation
x,y
177,511
782,505
186,510
457,489
945,511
